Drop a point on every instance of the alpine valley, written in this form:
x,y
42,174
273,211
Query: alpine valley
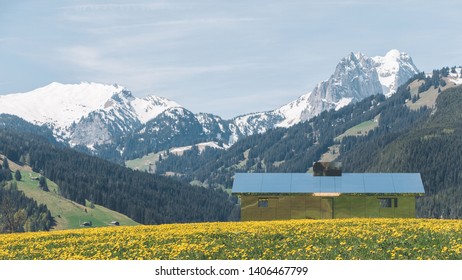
x,y
374,114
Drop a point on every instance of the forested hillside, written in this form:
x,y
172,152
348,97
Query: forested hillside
x,y
17,212
433,148
146,198
296,148
19,125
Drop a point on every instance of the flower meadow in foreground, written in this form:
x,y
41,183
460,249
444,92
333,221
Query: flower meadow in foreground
x,y
295,239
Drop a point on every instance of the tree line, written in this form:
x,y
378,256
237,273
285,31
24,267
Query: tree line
x,y
19,213
146,198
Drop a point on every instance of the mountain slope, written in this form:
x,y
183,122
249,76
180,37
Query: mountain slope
x,y
145,198
108,121
66,213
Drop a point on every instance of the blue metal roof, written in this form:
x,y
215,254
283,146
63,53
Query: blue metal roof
x,y
380,183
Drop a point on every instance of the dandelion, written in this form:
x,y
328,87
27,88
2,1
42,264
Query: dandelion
x,y
294,239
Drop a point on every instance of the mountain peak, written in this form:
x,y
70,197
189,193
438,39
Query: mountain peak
x,y
356,76
58,104
352,57
61,106
359,55
394,69
393,53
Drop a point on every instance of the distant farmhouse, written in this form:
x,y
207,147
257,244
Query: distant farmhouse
x,y
282,196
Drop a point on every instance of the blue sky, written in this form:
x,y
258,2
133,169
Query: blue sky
x,y
215,56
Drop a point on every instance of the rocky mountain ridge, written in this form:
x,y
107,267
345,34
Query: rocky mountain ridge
x,y
107,120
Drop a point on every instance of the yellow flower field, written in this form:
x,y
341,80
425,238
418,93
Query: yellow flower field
x,y
295,239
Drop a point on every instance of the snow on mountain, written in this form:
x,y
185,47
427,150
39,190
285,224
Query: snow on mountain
x,y
200,146
355,77
78,111
107,125
246,125
214,126
151,106
57,104
291,112
394,69
342,103
456,76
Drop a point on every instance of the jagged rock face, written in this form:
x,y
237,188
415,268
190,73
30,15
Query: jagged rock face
x,y
394,69
250,124
175,127
91,131
214,126
355,77
108,125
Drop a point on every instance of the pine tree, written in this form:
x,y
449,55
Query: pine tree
x,y
17,175
43,183
5,164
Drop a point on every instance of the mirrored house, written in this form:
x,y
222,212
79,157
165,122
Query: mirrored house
x,y
282,196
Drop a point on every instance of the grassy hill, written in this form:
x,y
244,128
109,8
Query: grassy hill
x,y
145,163
377,239
67,214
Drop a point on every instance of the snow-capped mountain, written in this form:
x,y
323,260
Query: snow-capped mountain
x,y
76,109
58,105
355,77
109,121
394,69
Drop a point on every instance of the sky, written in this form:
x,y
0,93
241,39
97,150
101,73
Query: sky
x,y
215,56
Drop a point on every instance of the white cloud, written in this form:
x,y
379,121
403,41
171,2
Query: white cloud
x,y
146,6
189,23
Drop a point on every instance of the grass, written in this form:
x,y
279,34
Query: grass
x,y
68,214
361,129
332,153
426,98
243,162
144,162
375,239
